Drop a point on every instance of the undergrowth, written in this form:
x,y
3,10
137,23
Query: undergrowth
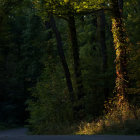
x,y
121,119
55,129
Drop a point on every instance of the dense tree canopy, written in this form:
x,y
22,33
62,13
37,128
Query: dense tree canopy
x,y
63,62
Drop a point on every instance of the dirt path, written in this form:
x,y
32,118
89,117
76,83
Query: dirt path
x,y
21,134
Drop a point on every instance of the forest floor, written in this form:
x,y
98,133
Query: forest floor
x,y
21,134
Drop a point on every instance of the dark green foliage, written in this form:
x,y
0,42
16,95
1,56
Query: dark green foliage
x,y
129,127
50,104
33,85
20,63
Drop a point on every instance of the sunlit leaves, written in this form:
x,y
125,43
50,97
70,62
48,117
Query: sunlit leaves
x,y
65,7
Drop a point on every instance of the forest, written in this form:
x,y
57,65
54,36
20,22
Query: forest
x,y
70,66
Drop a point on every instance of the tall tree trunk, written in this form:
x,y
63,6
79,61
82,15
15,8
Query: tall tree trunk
x,y
76,61
62,58
102,42
120,3
120,44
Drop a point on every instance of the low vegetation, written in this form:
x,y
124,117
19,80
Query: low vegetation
x,y
61,60
125,121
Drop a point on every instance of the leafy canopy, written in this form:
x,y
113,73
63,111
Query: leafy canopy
x,y
67,7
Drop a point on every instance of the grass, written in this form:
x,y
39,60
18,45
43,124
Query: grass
x,y
120,120
129,127
54,129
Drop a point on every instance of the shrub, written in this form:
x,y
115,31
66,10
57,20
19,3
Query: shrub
x,y
49,105
118,120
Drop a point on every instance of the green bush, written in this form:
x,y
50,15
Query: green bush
x,y
49,105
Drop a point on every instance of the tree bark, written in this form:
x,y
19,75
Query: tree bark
x,y
120,3
76,61
102,42
120,43
62,58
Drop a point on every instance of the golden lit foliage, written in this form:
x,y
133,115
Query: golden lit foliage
x,y
66,7
118,120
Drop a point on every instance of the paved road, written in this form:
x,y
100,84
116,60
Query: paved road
x,y
20,134
14,132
